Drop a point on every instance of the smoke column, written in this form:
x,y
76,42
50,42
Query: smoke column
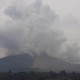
x,y
34,27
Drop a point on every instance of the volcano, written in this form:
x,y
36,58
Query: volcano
x,y
42,62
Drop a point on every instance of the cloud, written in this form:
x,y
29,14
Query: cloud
x,y
71,28
72,53
31,28
36,27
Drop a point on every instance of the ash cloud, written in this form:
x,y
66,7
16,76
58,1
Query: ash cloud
x,y
33,27
72,53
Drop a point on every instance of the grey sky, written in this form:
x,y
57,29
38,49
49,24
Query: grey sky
x,y
62,7
65,7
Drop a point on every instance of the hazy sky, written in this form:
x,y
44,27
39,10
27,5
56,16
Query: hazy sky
x,y
66,7
61,7
56,26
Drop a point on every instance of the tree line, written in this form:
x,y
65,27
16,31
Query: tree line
x,y
62,75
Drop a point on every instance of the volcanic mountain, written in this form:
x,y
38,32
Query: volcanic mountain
x,y
35,62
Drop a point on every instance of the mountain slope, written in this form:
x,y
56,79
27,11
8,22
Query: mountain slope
x,y
47,63
42,62
16,62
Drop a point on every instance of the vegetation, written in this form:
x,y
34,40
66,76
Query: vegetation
x,y
39,76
